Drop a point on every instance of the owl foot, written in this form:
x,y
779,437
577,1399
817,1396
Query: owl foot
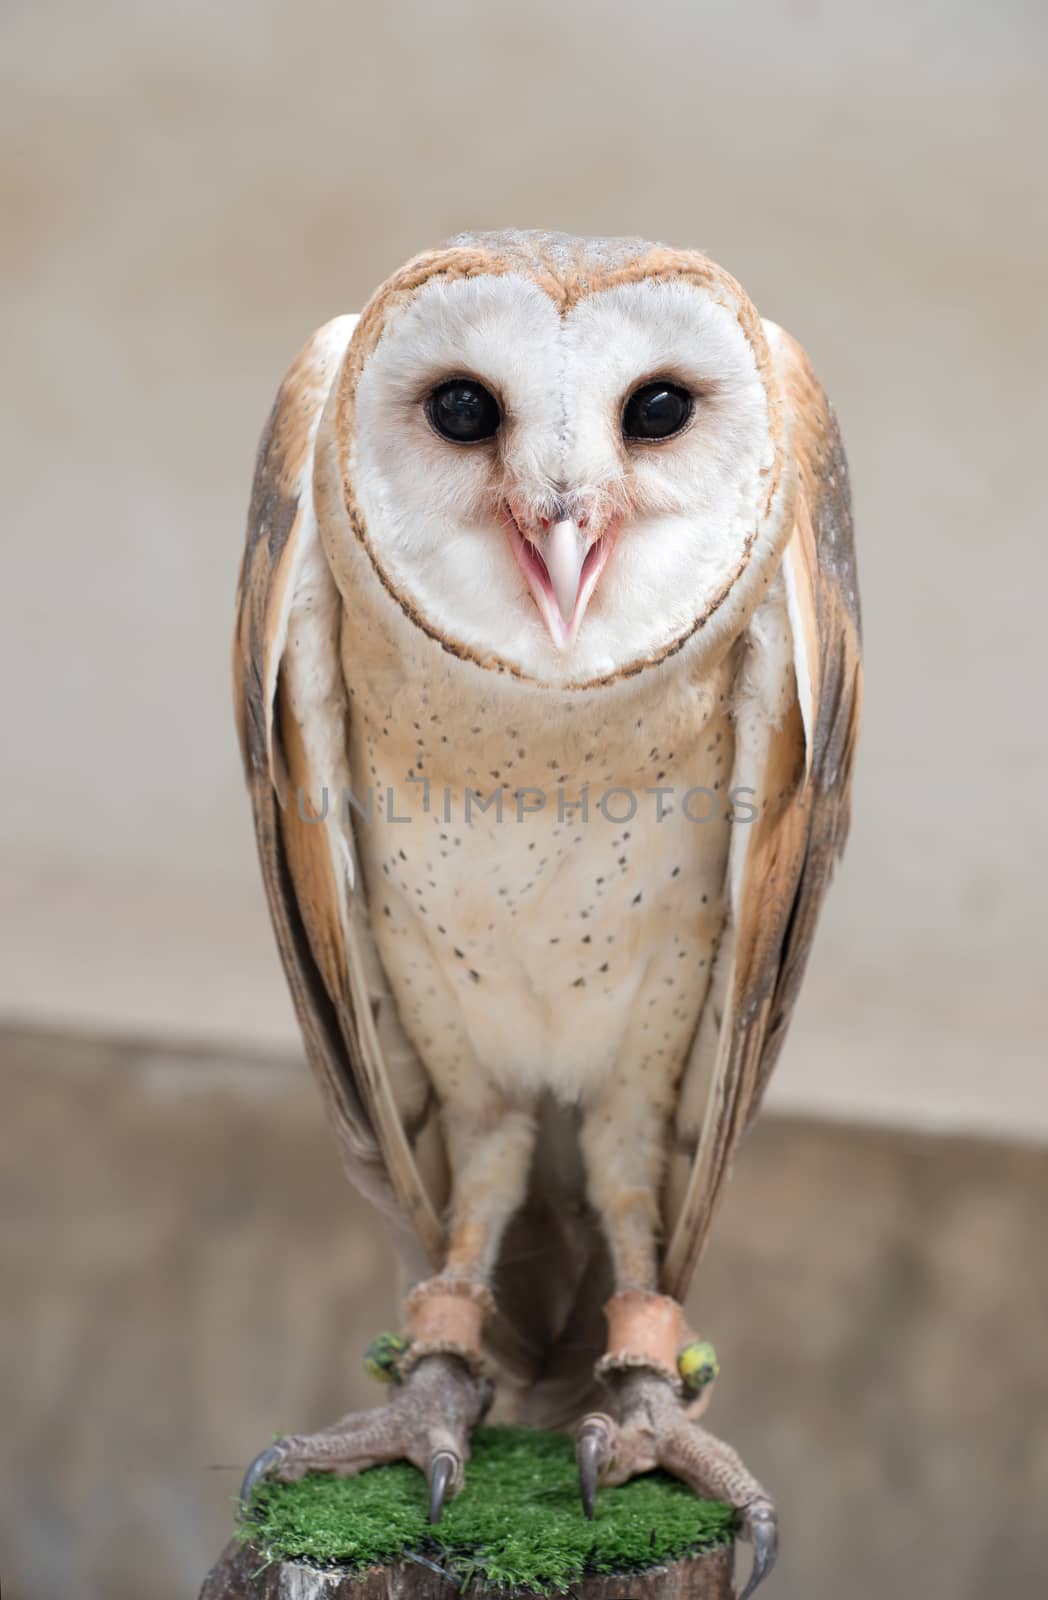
x,y
427,1421
653,1427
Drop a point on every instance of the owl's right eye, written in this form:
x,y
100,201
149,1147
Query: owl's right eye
x,y
464,411
656,410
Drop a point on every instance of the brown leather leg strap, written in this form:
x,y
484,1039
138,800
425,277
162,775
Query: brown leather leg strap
x,y
644,1330
447,1318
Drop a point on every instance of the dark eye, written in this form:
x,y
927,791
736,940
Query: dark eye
x,y
656,410
465,411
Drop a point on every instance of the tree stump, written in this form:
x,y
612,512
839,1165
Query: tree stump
x,y
517,1528
241,1575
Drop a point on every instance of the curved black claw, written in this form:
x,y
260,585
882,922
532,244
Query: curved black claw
x,y
442,1470
258,1469
764,1532
590,1445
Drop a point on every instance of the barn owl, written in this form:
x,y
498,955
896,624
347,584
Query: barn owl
x,y
548,682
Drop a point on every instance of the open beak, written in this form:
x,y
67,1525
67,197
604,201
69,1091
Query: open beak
x,y
562,574
565,556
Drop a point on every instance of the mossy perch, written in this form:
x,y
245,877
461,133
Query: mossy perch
x,y
517,1526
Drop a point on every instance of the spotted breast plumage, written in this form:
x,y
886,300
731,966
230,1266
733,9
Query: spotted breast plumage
x,y
548,684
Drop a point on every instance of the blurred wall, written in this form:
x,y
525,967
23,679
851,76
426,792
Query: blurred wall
x,y
187,191
197,1273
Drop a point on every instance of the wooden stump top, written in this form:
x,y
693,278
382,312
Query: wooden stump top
x,y
240,1575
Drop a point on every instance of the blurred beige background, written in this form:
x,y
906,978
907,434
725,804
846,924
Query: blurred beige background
x,y
189,190
185,192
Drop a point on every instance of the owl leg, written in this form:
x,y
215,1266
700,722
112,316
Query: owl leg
x,y
490,1141
651,1422
622,1140
442,1387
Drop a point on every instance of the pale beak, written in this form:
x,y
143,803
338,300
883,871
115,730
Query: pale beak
x,y
561,572
564,553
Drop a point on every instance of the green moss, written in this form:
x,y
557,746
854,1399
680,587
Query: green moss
x,y
518,1522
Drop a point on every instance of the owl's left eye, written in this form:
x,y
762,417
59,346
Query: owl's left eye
x,y
463,410
656,410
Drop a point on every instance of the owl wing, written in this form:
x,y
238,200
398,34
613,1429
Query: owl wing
x,y
290,709
782,861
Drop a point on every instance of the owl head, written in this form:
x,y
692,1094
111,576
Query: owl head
x,y
563,458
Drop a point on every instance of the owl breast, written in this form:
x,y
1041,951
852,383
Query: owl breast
x,y
546,875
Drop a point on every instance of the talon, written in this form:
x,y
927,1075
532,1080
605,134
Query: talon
x,y
764,1532
258,1470
591,1451
442,1471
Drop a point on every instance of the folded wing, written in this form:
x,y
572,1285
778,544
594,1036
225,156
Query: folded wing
x,y
291,717
782,861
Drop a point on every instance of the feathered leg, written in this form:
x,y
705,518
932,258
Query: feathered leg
x,y
442,1388
651,1415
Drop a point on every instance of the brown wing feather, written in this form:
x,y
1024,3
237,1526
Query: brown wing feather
x,y
316,946
830,607
792,847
